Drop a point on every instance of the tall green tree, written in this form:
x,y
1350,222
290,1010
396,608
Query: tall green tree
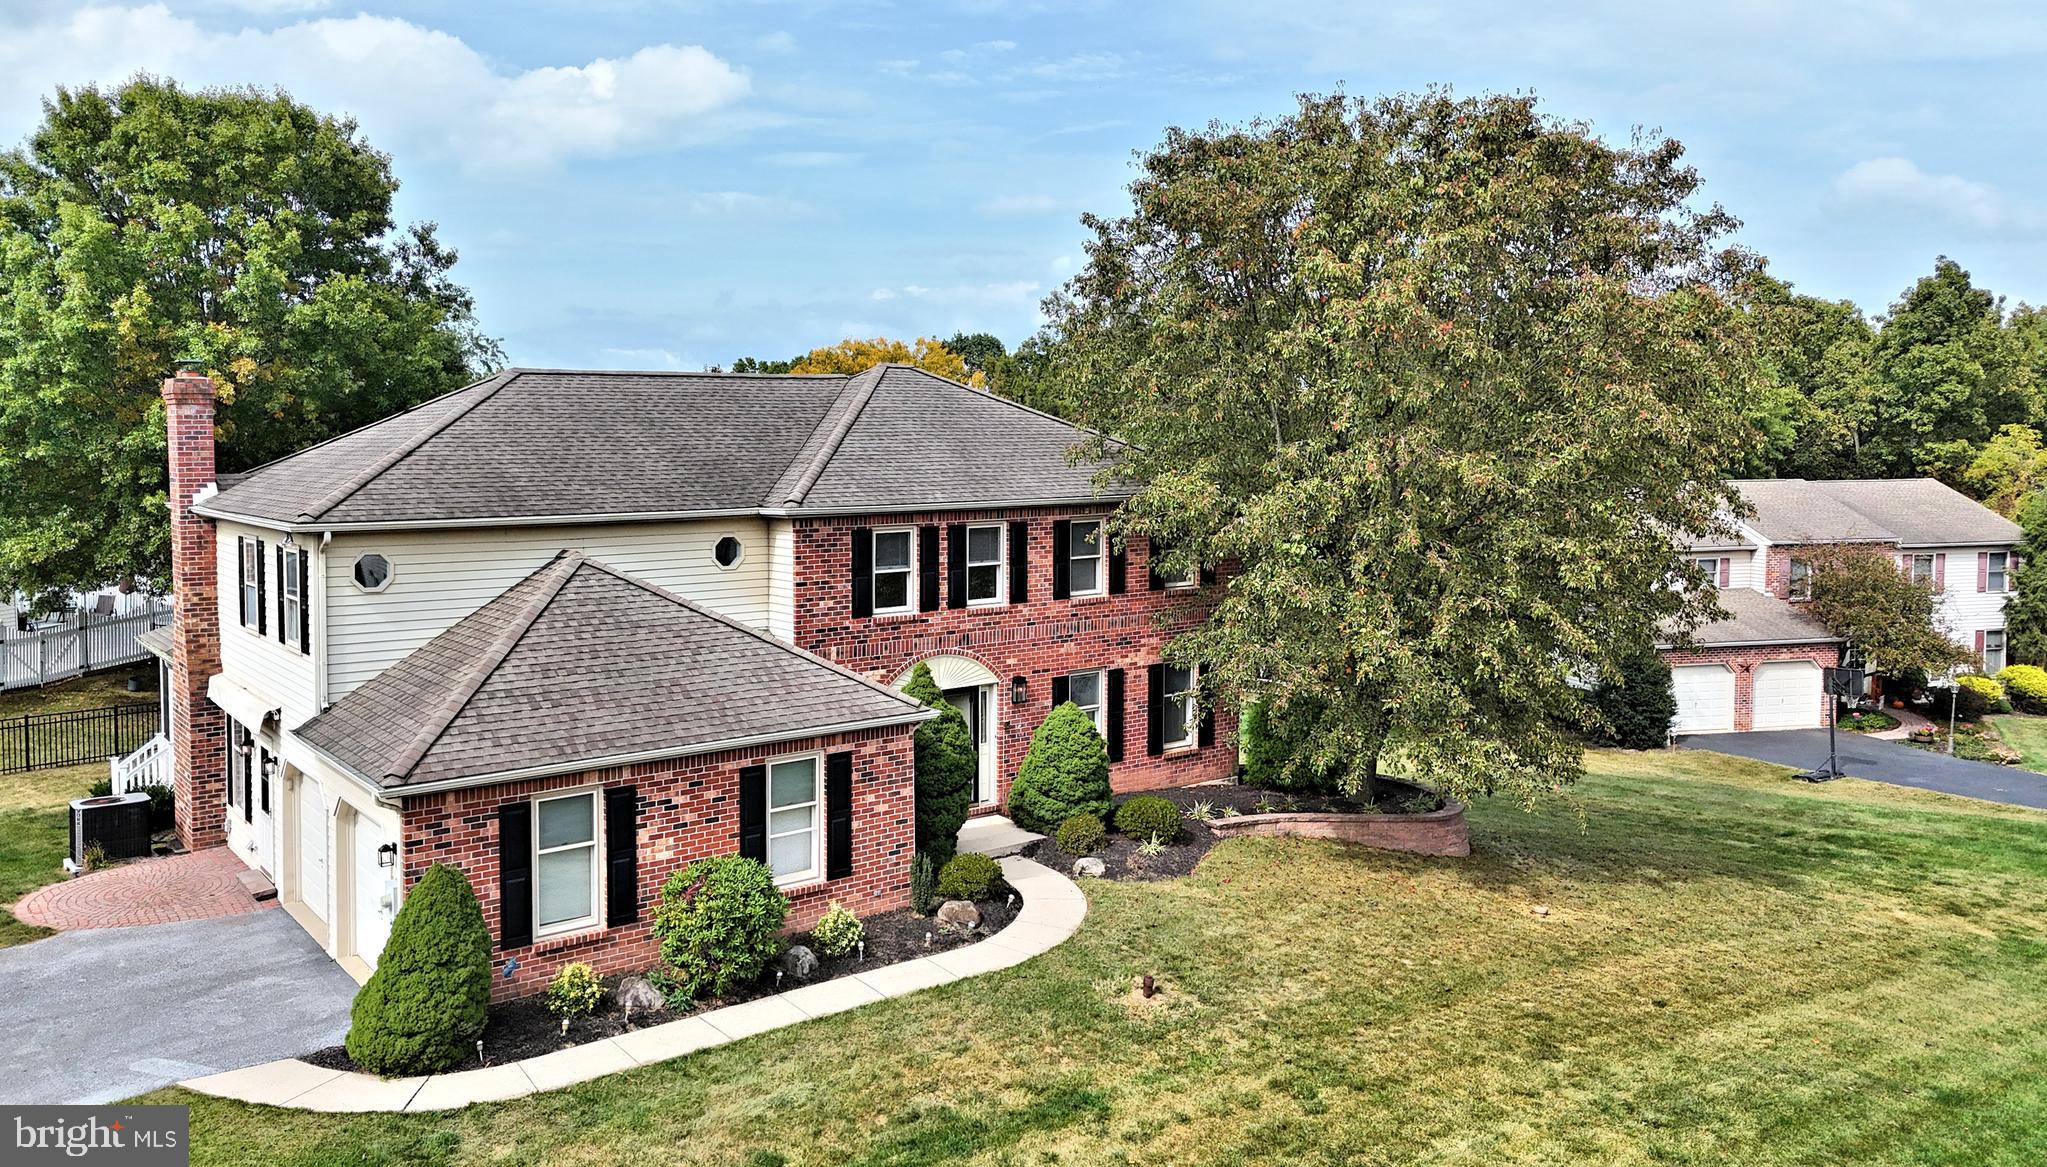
x,y
1949,374
946,766
1442,380
1861,596
2025,612
1817,401
145,223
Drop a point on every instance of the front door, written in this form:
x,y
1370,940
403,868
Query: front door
x,y
976,705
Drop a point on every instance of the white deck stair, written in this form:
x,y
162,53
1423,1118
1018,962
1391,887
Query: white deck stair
x,y
995,836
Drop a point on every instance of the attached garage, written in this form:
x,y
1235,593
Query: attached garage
x,y
312,848
1787,695
1705,698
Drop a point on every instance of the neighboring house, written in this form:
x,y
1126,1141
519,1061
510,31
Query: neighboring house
x,y
571,631
1761,667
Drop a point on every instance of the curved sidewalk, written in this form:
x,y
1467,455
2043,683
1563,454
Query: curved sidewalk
x,y
1053,908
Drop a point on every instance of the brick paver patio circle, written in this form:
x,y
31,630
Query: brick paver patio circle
x,y
197,886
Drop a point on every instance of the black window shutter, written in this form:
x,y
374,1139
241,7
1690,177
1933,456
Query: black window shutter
x,y
753,813
1119,563
927,568
1019,562
1156,582
1207,727
515,875
956,566
280,593
261,612
1058,690
1115,699
305,609
863,571
838,814
233,764
1155,714
1062,561
621,855
1207,576
249,772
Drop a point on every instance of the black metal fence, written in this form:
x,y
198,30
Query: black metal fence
x,y
40,741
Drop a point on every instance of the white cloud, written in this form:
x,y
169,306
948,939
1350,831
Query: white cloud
x,y
776,42
1019,204
1899,182
739,202
410,87
1011,293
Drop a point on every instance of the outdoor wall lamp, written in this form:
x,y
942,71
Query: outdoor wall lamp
x,y
269,767
387,855
1019,690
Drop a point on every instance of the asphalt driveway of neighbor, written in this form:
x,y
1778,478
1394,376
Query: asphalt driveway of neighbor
x,y
1882,761
101,1014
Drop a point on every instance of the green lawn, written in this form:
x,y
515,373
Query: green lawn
x,y
99,689
33,833
2027,734
1734,968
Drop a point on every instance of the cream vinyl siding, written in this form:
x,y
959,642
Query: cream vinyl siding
x,y
438,577
278,672
782,578
1966,610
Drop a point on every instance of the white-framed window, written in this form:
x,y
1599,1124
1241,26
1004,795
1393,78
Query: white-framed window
x,y
250,578
1922,570
1089,691
1084,574
1993,652
1998,576
1710,568
796,819
895,570
291,597
372,572
984,564
1180,712
565,867
1801,580
728,552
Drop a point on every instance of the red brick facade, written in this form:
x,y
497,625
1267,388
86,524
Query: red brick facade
x,y
197,729
689,810
1037,639
1742,661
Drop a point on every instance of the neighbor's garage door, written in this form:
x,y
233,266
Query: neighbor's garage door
x,y
1705,698
1788,695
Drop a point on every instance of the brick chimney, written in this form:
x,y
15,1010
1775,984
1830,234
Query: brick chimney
x,y
198,728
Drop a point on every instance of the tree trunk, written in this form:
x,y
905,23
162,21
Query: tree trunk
x,y
1370,789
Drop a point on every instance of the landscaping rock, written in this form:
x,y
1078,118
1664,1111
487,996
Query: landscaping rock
x,y
958,916
1089,868
799,963
636,994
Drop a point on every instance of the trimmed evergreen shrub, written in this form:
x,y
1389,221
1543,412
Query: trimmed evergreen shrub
x,y
1080,834
1064,773
923,884
719,924
969,877
837,931
162,806
1638,703
574,991
2027,687
1149,817
1269,742
946,767
423,1009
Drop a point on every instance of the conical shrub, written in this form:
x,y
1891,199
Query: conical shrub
x,y
425,1006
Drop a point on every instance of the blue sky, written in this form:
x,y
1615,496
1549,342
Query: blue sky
x,y
675,185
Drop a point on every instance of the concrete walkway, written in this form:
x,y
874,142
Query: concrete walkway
x,y
995,835
197,886
1883,761
1053,907
102,1014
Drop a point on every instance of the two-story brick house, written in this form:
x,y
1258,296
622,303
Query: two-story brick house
x,y
573,630
1761,668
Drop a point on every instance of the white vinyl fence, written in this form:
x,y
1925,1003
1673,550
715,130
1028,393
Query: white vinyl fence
x,y
93,642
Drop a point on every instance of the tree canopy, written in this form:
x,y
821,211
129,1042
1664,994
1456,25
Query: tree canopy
x,y
858,356
145,223
1893,620
1439,379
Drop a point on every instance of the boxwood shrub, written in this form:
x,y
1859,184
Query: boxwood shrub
x,y
969,877
719,923
1149,817
1081,834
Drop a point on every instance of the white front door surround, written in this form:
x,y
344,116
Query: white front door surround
x,y
973,689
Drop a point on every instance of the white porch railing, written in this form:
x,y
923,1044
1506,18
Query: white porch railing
x,y
149,765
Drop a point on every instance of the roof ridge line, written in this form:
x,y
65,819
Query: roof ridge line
x,y
799,490
497,651
242,476
378,468
756,633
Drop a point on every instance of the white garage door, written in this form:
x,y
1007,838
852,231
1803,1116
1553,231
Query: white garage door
x,y
1705,698
312,815
1787,695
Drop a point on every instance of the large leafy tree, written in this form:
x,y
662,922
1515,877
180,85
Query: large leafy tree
x,y
146,223
2025,612
857,356
1817,401
1860,594
1441,380
1950,375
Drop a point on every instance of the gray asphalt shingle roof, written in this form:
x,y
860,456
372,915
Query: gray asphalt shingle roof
x,y
1912,512
1756,618
533,443
579,664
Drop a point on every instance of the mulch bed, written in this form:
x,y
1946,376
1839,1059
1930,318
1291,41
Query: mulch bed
x,y
525,1029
